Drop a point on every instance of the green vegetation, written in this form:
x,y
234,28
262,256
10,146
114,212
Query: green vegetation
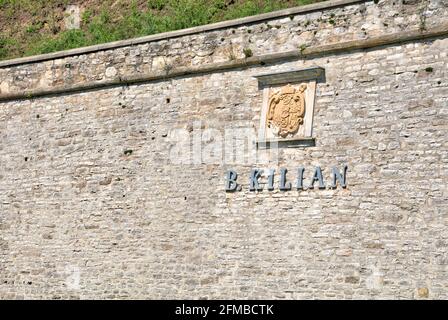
x,y
247,52
30,27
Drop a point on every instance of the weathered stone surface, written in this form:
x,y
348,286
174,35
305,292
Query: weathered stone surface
x,y
92,207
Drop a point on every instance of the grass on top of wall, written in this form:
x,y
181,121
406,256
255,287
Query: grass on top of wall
x,y
30,27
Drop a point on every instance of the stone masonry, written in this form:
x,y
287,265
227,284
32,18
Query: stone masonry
x,y
92,207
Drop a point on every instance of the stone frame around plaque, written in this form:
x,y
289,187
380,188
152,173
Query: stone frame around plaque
x,y
283,122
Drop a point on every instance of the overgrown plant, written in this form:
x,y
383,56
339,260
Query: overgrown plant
x,y
42,29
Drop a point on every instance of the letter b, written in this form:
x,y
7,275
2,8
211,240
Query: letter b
x,y
231,184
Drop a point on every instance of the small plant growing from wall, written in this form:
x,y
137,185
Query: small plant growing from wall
x,y
231,52
422,14
167,66
248,52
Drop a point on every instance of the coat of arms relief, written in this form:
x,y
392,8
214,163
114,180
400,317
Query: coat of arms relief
x,y
288,107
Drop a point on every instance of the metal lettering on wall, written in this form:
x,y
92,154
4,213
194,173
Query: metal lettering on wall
x,y
315,180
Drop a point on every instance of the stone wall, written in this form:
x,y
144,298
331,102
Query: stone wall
x,y
358,20
92,205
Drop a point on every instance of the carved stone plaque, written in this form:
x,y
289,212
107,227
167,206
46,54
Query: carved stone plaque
x,y
288,106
